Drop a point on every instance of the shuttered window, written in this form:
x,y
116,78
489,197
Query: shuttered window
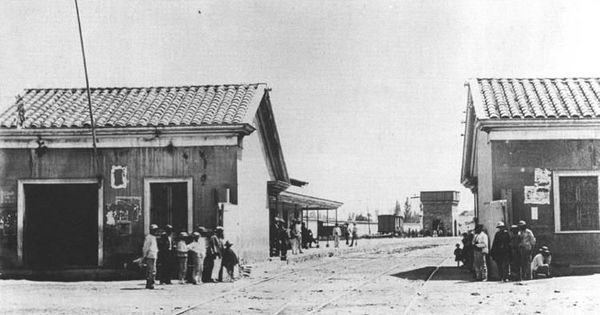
x,y
578,199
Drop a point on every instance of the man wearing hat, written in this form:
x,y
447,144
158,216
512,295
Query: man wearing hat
x,y
149,254
540,265
166,255
501,250
526,245
230,260
480,251
515,261
196,250
216,253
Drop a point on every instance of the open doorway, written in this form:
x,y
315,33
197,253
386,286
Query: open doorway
x,y
60,225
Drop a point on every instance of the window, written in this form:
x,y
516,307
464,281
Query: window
x,y
576,195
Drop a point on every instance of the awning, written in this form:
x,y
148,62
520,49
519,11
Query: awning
x,y
308,202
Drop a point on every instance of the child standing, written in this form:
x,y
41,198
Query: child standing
x,y
457,255
182,253
229,260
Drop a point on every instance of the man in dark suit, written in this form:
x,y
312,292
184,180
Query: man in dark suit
x,y
166,251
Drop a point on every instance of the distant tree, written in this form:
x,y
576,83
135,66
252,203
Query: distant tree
x,y
397,208
408,215
361,217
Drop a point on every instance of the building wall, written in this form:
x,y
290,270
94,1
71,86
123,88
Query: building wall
x,y
212,168
514,165
251,223
483,169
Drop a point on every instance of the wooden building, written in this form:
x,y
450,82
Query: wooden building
x,y
187,156
531,152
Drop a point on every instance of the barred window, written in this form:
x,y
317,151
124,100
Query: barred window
x,y
578,207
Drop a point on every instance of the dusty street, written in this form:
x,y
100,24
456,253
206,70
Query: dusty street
x,y
390,280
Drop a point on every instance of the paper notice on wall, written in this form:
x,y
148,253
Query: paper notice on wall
x,y
534,213
537,195
542,177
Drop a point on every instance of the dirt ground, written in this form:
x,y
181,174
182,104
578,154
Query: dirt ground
x,y
389,280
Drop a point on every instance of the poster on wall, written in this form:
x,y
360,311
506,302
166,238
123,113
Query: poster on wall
x,y
118,177
542,177
537,195
123,213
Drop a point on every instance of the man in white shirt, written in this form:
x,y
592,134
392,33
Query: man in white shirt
x,y
480,246
337,232
150,252
541,263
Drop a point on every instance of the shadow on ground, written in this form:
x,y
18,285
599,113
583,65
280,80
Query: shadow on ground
x,y
443,273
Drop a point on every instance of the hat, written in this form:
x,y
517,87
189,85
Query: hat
x,y
219,228
278,219
196,234
522,223
153,227
168,227
202,229
500,224
514,226
183,234
544,249
227,244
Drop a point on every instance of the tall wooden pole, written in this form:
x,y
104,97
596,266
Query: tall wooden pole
x,y
89,94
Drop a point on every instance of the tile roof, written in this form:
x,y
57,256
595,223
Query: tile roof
x,y
509,99
132,107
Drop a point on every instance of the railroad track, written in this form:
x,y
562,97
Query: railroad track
x,y
330,261
333,260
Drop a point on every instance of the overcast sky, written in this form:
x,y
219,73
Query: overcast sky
x,y
368,95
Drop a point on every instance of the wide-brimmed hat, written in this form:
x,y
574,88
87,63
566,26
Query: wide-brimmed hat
x,y
500,224
544,249
183,234
514,226
195,234
228,244
522,223
153,227
219,228
202,229
278,219
168,228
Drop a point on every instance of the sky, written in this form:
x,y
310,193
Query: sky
x,y
368,96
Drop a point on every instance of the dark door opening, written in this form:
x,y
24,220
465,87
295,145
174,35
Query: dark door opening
x,y
169,205
60,225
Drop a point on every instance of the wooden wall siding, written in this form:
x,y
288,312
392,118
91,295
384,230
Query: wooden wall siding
x,y
216,165
514,163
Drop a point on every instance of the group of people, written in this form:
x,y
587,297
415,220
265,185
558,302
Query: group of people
x,y
512,250
350,233
187,258
296,237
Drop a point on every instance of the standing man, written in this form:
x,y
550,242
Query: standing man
x,y
480,247
216,248
298,228
150,253
515,265
197,249
354,235
526,245
501,250
305,238
282,239
337,232
166,255
349,232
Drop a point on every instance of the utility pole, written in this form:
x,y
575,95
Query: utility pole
x,y
89,95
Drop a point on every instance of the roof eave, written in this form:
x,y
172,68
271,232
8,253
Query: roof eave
x,y
240,129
